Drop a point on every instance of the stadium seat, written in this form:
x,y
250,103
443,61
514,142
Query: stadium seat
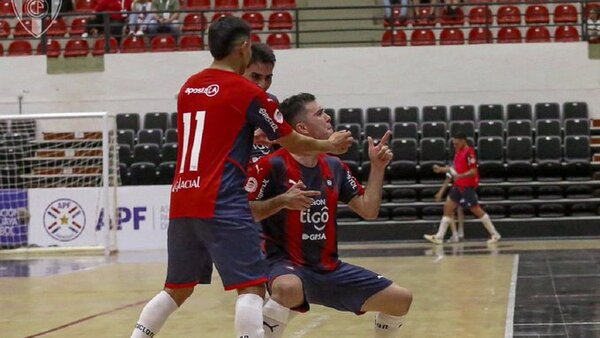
x,y
99,46
198,4
583,209
519,155
577,127
163,43
422,37
491,193
168,152
467,127
565,13
76,48
255,38
397,18
222,5
173,119
537,34
85,6
142,173
125,155
403,167
509,35
195,22
58,27
353,128
393,38
171,135
150,136
128,121
347,215
1,50
433,130
25,127
547,111
6,8
547,128
4,29
156,120
519,193
428,194
352,156
52,48
350,115
549,192
166,172
495,211
126,136
481,16
254,4
575,110
434,114
548,157
508,15
281,20
579,191
255,20
216,16
480,35
124,174
433,151
148,152
452,19
133,44
406,114
462,113
191,43
19,48
78,26
491,128
521,211
376,130
283,4
378,115
405,130
404,195
424,16
490,151
537,14
518,128
451,36
566,34
434,212
22,29
279,41
518,111
551,210
491,112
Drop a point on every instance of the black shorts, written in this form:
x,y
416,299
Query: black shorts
x,y
465,197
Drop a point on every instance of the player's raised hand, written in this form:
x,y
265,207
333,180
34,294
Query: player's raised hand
x,y
296,198
380,154
261,138
340,141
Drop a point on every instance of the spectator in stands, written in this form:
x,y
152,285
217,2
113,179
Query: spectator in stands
x,y
165,22
451,7
116,18
389,4
457,236
139,19
434,14
593,25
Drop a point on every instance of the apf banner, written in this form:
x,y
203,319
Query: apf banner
x,y
13,218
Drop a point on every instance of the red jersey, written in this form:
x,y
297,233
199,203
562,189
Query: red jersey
x,y
308,237
465,160
217,112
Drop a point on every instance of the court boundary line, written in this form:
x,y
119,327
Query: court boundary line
x,y
81,320
510,308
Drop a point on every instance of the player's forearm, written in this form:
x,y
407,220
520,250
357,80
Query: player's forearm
x,y
263,209
444,186
303,145
369,203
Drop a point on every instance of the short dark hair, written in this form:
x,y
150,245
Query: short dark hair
x,y
262,53
293,106
460,135
223,33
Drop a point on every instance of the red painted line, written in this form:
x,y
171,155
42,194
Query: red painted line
x,y
58,328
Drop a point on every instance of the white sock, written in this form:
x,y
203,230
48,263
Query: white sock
x,y
154,315
275,318
387,326
443,227
248,316
487,223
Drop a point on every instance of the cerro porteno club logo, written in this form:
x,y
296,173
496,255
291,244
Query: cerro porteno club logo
x,y
64,220
32,13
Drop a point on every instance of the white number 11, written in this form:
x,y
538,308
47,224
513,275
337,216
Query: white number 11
x,y
197,145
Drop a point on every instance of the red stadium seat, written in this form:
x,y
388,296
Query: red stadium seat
x,y
219,15
422,37
393,38
19,48
163,43
133,44
566,34
451,36
565,14
537,15
537,34
254,4
57,28
279,41
509,35
424,16
283,4
1,50
255,20
194,23
99,46
52,49
280,20
198,4
396,19
222,5
191,43
480,35
85,6
23,28
6,8
481,16
78,26
458,19
255,38
76,48
4,29
509,15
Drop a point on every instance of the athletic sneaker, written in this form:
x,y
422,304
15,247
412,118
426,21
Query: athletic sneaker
x,y
494,239
433,239
454,239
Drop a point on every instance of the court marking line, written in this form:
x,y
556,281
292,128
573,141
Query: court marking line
x,y
313,325
510,308
549,324
81,320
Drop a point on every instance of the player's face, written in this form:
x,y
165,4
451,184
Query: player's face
x,y
458,143
260,73
318,124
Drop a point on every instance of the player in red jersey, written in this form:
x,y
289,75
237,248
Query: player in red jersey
x,y
210,218
296,197
466,180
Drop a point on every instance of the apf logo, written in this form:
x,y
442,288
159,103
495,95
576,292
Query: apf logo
x,y
32,14
64,220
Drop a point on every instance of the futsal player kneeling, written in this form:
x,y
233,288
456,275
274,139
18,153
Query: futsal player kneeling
x,y
295,196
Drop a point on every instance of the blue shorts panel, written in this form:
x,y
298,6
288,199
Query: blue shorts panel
x,y
345,289
234,248
465,197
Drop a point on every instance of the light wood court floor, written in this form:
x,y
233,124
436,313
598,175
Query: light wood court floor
x,y
459,291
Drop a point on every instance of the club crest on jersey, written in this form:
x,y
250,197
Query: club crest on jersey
x,y
278,116
64,220
251,185
209,91
329,183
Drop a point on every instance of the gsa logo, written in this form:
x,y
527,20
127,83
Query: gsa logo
x,y
64,220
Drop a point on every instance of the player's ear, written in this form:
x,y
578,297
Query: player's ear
x,y
301,128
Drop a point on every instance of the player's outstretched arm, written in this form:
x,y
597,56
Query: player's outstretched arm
x,y
367,206
296,198
338,143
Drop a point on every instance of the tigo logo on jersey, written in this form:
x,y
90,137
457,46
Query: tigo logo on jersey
x,y
317,218
64,219
251,185
209,91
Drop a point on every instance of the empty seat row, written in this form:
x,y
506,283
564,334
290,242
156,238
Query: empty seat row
x,y
155,136
152,120
147,152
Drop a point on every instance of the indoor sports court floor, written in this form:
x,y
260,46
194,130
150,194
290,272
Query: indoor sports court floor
x,y
514,289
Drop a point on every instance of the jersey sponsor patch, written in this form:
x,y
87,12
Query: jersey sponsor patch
x,y
209,91
263,113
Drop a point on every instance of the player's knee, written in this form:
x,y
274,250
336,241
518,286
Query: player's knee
x,y
402,301
180,295
288,292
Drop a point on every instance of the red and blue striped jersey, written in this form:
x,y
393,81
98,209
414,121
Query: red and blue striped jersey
x,y
217,112
309,237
